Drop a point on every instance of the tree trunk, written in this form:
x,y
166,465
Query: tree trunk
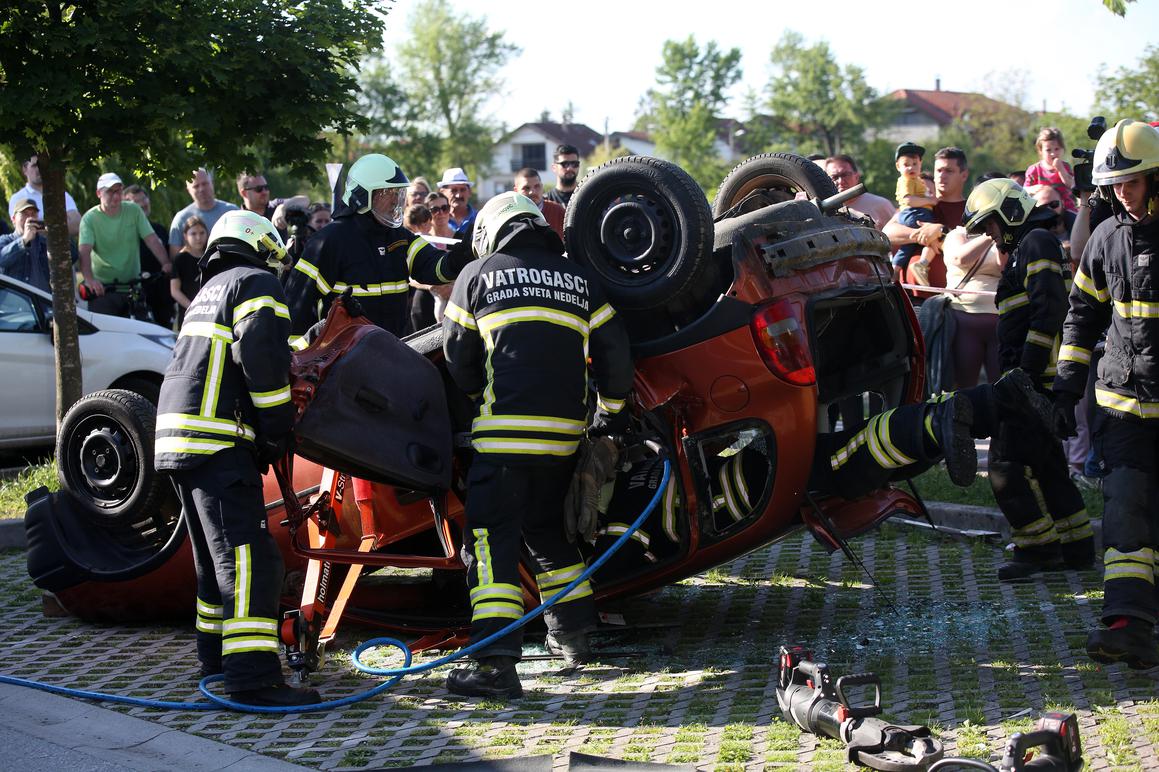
x,y
64,324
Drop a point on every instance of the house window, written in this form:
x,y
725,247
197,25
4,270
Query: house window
x,y
533,155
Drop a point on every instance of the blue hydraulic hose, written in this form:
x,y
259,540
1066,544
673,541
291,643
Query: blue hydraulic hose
x,y
394,675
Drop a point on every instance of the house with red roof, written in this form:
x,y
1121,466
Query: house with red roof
x,y
924,113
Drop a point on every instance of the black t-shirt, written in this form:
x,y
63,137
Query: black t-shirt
x,y
186,269
560,197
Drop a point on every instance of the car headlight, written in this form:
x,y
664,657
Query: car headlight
x,y
166,339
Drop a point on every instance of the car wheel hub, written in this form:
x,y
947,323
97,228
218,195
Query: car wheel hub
x,y
635,234
107,463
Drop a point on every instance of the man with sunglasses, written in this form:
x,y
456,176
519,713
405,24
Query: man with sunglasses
x,y
254,192
842,169
566,168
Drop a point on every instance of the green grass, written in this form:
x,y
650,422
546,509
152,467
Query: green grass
x,y
934,485
12,491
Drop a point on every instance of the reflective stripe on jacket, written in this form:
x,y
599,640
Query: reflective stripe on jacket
x,y
1031,301
228,382
1116,289
517,333
375,261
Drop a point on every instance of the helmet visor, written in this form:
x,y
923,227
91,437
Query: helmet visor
x,y
388,205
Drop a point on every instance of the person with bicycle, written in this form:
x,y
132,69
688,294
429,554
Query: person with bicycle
x,y
108,246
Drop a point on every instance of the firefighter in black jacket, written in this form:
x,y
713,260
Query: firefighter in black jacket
x,y
1117,289
517,333
224,408
1031,301
366,248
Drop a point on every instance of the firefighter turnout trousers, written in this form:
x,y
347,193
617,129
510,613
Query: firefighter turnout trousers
x,y
509,505
1130,520
239,569
894,445
1017,449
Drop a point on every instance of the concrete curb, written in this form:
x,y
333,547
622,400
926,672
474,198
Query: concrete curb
x,y
12,534
69,734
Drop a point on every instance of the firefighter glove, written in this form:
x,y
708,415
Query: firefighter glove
x,y
273,450
1064,420
595,468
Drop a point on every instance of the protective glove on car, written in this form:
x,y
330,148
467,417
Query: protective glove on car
x,y
595,468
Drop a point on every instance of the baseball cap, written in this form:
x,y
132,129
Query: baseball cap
x,y
108,180
909,148
22,203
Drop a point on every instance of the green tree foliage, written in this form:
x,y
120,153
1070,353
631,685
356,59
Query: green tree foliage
x,y
164,87
1117,7
682,112
449,68
819,101
1132,93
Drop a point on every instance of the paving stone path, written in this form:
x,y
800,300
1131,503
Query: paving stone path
x,y
955,649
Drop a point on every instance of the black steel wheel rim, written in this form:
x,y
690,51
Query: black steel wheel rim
x,y
103,461
638,234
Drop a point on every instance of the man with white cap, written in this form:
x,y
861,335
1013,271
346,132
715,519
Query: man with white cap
x,y
108,247
24,253
34,191
457,187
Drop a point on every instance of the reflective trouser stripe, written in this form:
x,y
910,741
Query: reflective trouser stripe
x,y
670,512
255,643
551,581
733,489
1075,527
209,617
1139,564
875,436
1040,532
491,599
242,566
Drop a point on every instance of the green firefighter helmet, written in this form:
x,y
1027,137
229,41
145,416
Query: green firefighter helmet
x,y
497,214
369,173
1006,201
1129,149
247,235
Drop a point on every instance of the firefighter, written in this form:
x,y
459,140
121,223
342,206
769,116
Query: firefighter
x,y
366,248
519,327
225,411
1115,290
1031,301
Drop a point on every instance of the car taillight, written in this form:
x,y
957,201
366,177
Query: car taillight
x,y
783,344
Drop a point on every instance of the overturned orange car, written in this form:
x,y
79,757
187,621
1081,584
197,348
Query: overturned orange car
x,y
755,328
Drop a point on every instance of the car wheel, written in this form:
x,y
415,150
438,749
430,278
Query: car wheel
x,y
780,175
643,227
104,457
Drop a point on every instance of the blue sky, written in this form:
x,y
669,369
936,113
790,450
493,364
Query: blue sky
x,y
602,54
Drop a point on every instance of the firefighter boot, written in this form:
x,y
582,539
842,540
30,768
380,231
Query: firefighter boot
x,y
491,677
1015,398
1128,640
1028,561
951,419
279,696
573,647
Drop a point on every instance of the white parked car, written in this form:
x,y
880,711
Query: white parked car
x,y
116,353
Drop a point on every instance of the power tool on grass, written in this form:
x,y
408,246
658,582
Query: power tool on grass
x,y
811,699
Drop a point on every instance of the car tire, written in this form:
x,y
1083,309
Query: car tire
x,y
104,457
782,174
150,390
644,228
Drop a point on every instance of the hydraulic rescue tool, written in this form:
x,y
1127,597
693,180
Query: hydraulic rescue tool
x,y
811,699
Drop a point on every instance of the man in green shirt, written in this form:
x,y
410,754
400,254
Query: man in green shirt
x,y
109,252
